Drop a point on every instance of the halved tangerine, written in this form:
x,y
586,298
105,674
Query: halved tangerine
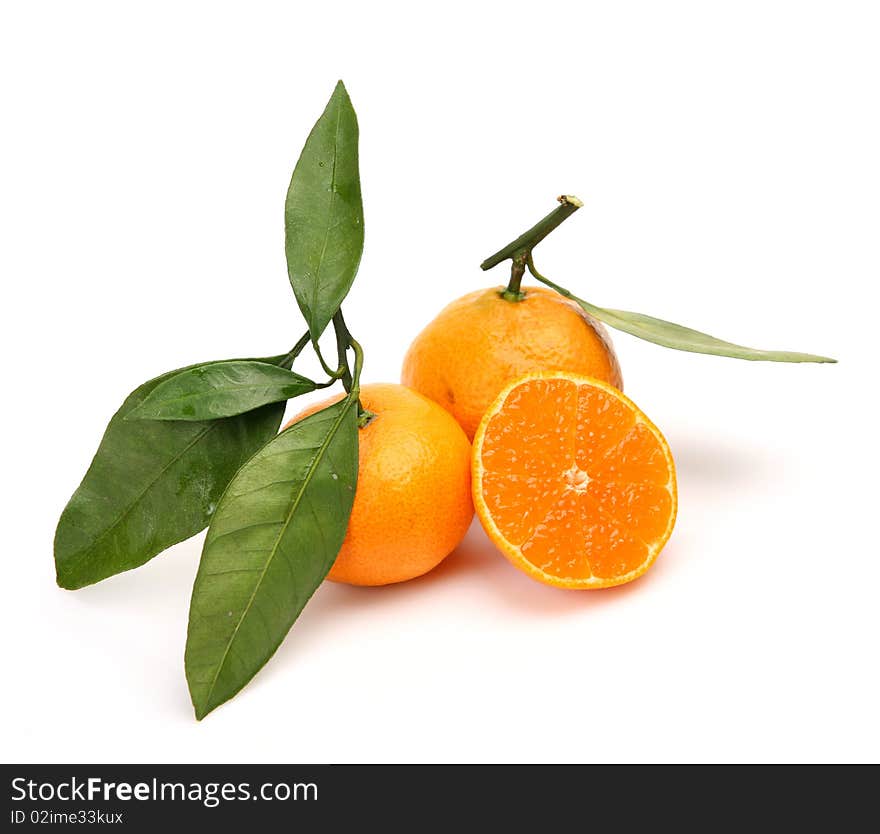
x,y
572,482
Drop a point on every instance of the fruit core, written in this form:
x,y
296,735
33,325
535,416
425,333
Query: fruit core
x,y
576,479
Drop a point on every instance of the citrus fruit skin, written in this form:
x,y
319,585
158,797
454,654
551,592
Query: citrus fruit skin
x,y
572,482
479,343
413,502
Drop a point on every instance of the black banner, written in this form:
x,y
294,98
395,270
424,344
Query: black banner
x,y
250,797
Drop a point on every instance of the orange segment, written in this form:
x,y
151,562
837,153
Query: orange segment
x,y
638,458
548,438
602,423
572,482
520,503
554,544
643,509
613,551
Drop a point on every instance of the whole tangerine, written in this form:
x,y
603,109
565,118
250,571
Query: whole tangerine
x,y
413,503
482,341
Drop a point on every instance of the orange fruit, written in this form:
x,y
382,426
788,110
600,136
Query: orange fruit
x,y
413,502
572,482
481,342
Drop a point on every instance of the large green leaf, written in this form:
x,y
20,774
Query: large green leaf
x,y
323,215
676,336
275,534
220,389
151,485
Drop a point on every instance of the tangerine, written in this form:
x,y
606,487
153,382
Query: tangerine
x,y
412,505
572,482
482,341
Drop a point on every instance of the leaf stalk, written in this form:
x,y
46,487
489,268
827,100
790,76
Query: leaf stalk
x,y
289,358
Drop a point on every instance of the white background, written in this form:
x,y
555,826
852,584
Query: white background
x,y
727,154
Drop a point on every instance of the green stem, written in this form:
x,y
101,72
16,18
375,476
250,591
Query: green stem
x,y
512,291
537,275
364,417
329,383
339,373
295,351
352,379
358,364
527,241
343,340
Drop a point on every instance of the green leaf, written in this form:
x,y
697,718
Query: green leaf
x,y
151,485
220,389
275,535
323,215
677,337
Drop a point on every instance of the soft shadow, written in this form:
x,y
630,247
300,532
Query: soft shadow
x,y
335,601
706,461
164,581
483,576
474,574
520,591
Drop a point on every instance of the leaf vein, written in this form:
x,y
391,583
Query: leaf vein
x,y
316,284
322,448
78,558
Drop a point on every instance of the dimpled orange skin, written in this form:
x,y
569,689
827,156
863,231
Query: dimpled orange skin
x,y
413,500
479,343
